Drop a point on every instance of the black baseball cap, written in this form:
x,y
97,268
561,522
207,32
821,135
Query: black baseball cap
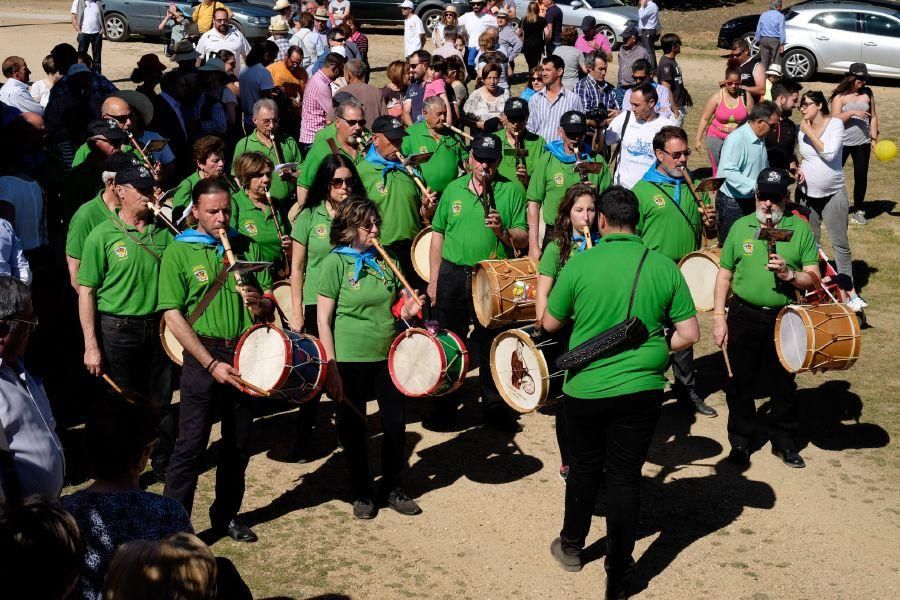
x,y
389,126
588,22
487,148
773,182
859,70
516,109
107,129
573,122
630,31
118,161
137,175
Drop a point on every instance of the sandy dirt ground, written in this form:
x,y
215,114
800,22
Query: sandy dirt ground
x,y
492,503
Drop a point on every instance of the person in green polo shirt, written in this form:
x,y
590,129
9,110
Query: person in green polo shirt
x,y
118,279
557,173
359,301
253,216
93,212
84,181
349,128
612,403
191,266
762,284
671,223
208,154
515,135
462,237
431,135
278,147
400,202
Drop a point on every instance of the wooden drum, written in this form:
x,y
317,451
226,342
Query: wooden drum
x,y
420,252
817,338
503,291
700,269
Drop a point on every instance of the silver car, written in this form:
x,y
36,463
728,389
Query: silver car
x,y
829,38
612,15
122,18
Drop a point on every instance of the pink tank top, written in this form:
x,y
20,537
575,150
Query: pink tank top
x,y
725,120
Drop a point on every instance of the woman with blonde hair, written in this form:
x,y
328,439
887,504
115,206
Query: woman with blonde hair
x,y
180,567
534,35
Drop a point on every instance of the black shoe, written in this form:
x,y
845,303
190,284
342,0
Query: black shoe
x,y
151,477
502,421
739,455
693,402
403,504
569,562
237,531
704,409
790,458
364,508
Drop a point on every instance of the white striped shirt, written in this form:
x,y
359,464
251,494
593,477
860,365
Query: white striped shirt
x,y
544,116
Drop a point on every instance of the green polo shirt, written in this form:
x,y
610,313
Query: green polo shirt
x,y
551,178
662,296
329,131
313,229
124,275
398,201
84,151
670,228
187,271
747,257
460,219
317,153
449,154
531,142
549,264
259,225
182,197
364,326
89,215
282,191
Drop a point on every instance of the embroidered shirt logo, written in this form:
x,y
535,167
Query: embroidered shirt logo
x,y
559,179
659,200
456,207
201,275
250,227
120,250
748,247
321,231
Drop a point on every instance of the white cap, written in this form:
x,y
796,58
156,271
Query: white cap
x,y
407,4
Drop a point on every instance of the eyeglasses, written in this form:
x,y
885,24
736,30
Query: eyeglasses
x,y
679,154
639,77
738,55
340,40
271,121
732,83
5,326
412,65
806,105
354,122
371,226
341,181
121,118
263,174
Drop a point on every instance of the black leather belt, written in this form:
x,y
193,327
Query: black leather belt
x,y
456,267
151,318
217,342
766,310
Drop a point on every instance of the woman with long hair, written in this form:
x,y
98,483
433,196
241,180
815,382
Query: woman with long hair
x,y
456,78
486,103
577,210
725,111
853,103
359,302
393,90
823,183
535,84
448,19
534,35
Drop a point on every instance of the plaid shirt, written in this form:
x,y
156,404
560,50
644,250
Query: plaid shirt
x,y
283,42
594,94
316,104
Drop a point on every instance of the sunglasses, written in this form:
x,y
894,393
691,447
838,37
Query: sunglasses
x,y
6,327
370,226
732,83
341,181
121,118
536,79
340,40
639,77
677,155
354,122
733,55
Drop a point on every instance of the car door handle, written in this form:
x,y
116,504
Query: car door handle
x,y
869,44
822,37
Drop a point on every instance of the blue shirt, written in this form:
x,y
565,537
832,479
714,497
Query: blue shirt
x,y
771,24
544,115
743,157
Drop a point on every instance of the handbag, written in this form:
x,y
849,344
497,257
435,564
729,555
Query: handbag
x,y
628,334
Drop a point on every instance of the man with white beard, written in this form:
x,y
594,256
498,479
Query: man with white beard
x,y
763,277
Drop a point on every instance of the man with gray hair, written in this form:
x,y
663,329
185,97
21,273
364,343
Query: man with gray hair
x,y
280,148
449,47
27,425
770,35
368,95
431,135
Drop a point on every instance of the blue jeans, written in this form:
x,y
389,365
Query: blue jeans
x,y
96,42
729,210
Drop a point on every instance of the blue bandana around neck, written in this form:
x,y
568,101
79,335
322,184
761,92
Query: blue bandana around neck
x,y
654,176
556,149
362,259
581,241
192,236
386,165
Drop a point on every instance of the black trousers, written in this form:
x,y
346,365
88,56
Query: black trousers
x,y
683,368
860,154
134,358
611,434
202,397
648,40
95,40
751,348
362,382
455,312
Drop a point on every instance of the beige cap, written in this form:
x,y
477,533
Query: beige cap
x,y
278,24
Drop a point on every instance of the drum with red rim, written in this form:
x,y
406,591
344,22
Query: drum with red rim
x,y
287,365
426,363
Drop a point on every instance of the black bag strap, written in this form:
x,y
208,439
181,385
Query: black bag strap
x,y
618,151
635,284
678,206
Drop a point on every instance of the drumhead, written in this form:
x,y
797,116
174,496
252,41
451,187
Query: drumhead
x,y
282,292
416,363
519,370
171,344
482,295
421,254
700,270
792,340
294,212
263,356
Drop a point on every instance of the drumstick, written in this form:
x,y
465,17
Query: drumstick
x,y
412,173
460,132
587,236
689,180
727,361
223,235
112,383
390,263
250,386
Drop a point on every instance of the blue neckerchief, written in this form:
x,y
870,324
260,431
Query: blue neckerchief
x,y
556,149
362,258
192,236
386,165
582,242
654,176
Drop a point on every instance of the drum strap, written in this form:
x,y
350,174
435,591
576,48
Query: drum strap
x,y
208,296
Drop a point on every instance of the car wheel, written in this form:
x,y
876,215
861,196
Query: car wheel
x,y
116,27
799,64
750,38
607,31
430,18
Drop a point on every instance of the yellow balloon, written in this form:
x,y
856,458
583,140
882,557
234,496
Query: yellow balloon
x,y
885,150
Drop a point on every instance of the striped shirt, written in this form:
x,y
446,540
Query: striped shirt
x,y
316,104
594,93
544,115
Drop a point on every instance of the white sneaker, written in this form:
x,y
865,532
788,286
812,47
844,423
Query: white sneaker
x,y
857,304
858,218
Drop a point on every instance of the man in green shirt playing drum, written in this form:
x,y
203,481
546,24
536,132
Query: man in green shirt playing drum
x,y
191,265
762,284
671,223
118,278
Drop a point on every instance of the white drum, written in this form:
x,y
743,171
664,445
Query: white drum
x,y
521,364
170,343
700,270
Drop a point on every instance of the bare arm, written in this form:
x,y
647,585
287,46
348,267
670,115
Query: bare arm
x,y
720,326
687,333
873,123
298,272
407,113
434,264
534,222
324,311
184,333
545,284
87,314
75,23
551,324
72,264
707,115
302,193
759,81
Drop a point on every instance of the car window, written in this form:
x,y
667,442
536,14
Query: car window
x,y
881,25
843,21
